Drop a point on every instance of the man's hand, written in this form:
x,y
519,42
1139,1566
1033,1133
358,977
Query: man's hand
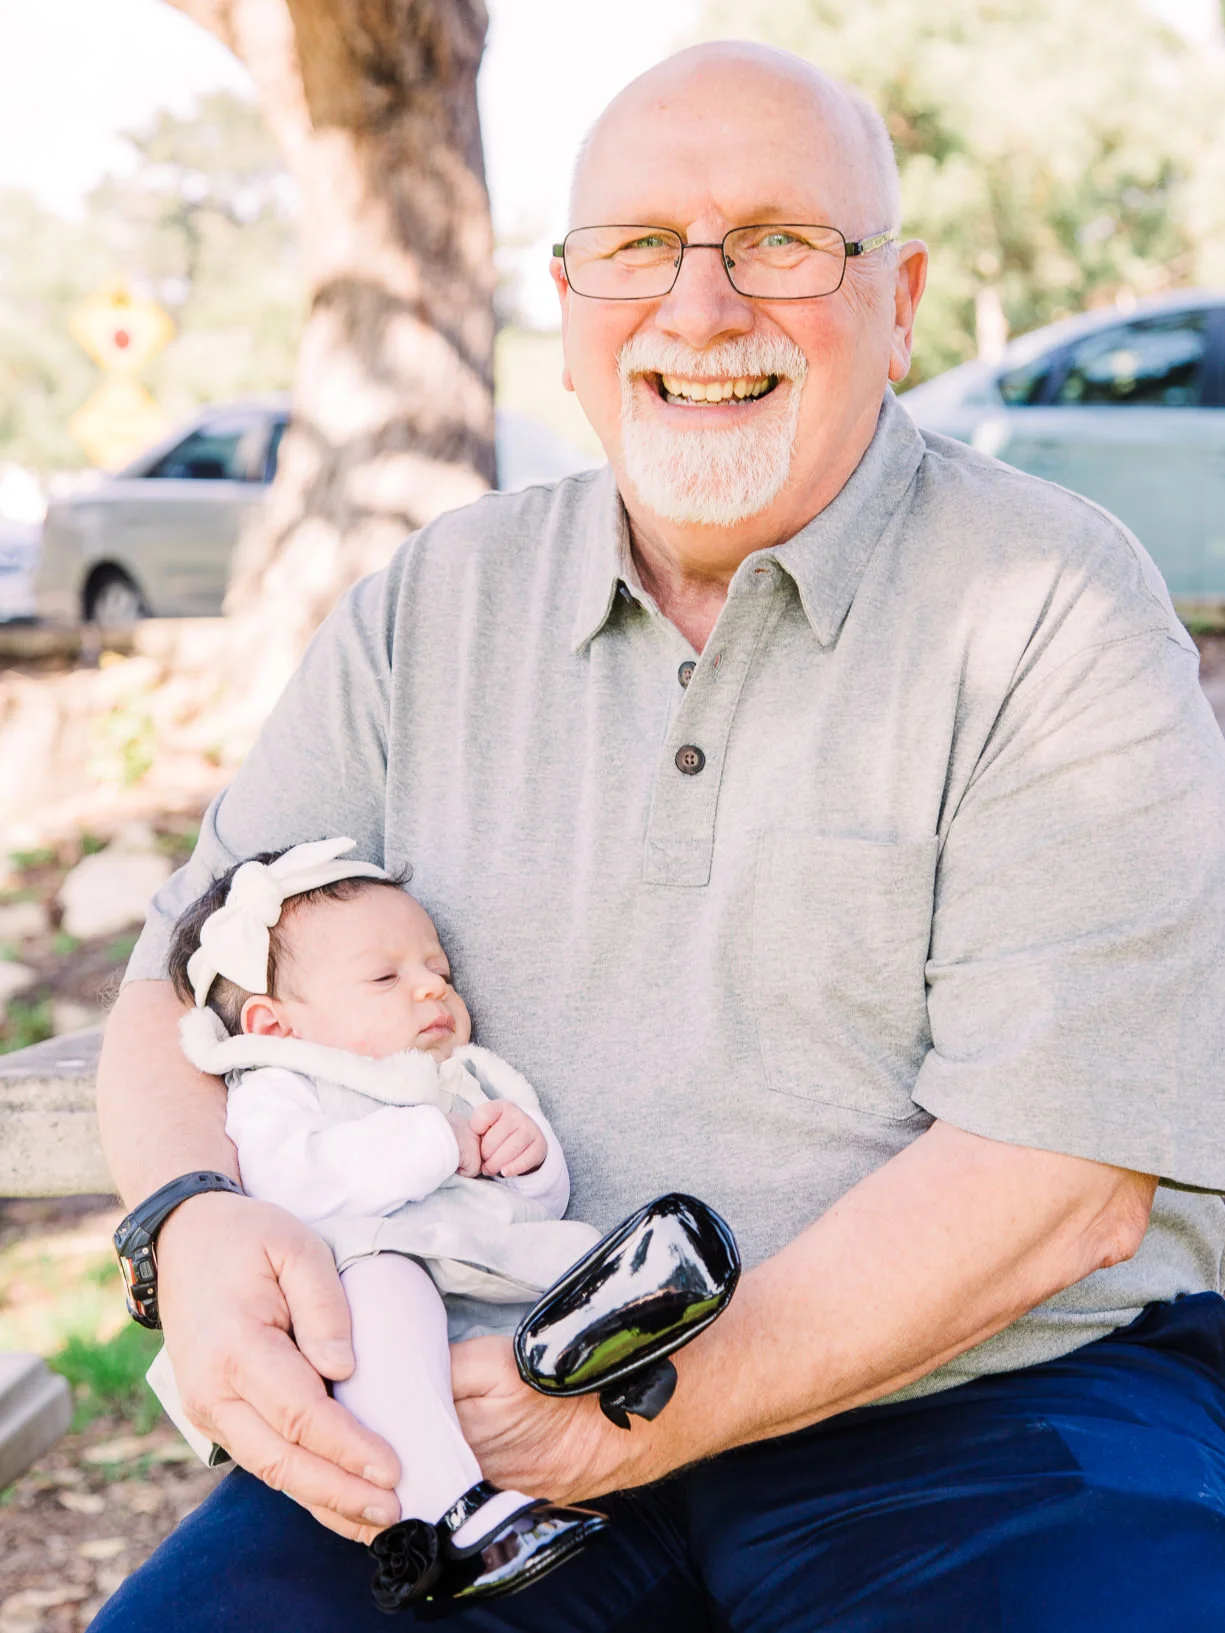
x,y
235,1278
469,1145
511,1142
565,1450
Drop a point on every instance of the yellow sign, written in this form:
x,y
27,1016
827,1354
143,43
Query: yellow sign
x,y
121,331
118,422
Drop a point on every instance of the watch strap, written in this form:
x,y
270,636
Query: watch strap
x,y
136,1237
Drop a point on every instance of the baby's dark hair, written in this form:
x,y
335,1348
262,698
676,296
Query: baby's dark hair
x,y
225,997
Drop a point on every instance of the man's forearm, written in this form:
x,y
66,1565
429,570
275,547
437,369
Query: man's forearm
x,y
158,1115
936,1251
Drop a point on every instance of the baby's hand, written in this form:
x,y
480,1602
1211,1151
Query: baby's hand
x,y
469,1146
511,1143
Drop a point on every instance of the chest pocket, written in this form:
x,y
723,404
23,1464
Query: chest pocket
x,y
840,936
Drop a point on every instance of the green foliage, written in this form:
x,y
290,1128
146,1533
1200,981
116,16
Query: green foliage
x,y
24,861
25,1022
204,224
108,1375
1057,155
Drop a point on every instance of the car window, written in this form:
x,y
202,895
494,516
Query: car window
x,y
1025,385
229,452
274,449
1157,362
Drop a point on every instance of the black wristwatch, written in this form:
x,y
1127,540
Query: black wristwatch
x,y
136,1236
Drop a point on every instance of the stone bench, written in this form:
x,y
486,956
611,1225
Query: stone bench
x,y
49,1146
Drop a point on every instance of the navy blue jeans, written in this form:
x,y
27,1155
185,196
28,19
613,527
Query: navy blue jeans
x,y
1085,1494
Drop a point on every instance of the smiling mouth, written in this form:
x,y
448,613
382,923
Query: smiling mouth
x,y
687,393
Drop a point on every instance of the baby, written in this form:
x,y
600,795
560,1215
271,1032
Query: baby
x,y
356,1101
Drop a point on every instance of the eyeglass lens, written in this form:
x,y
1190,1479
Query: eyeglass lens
x,y
778,261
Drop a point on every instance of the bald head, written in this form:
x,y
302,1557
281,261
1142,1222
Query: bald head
x,y
675,112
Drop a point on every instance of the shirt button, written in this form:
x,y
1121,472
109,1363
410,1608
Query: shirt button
x,y
685,673
690,759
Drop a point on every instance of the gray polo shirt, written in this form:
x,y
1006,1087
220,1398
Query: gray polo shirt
x,y
933,827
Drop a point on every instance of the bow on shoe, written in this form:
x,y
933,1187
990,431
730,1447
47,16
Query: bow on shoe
x,y
648,1287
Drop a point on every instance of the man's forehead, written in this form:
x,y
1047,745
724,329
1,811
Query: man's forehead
x,y
724,133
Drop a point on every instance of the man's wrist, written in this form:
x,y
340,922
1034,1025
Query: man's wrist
x,y
136,1238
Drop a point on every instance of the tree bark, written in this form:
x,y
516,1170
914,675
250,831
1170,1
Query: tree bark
x,y
373,103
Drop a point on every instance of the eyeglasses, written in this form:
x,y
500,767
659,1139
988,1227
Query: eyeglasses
x,y
777,261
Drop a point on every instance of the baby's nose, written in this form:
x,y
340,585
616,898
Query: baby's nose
x,y
429,984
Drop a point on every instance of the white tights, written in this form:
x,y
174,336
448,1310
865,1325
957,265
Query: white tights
x,y
401,1388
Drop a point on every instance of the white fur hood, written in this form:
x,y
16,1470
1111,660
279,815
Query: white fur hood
x,y
410,1078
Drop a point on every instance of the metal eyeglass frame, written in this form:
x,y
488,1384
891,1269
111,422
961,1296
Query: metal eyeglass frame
x,y
850,247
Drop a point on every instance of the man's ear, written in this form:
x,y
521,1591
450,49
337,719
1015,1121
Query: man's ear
x,y
908,290
557,271
261,1017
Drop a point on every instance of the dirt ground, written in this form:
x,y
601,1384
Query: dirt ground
x,y
97,1504
81,974
85,1516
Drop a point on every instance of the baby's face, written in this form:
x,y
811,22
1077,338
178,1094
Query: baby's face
x,y
368,975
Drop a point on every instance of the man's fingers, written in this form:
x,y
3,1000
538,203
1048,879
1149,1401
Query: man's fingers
x,y
289,1397
317,1484
342,1527
318,1309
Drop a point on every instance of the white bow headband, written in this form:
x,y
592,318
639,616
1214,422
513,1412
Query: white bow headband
x,y
234,940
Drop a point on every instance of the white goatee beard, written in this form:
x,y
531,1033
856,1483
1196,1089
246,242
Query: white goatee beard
x,y
710,476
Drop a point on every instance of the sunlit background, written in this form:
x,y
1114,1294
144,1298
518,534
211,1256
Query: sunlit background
x,y
1065,161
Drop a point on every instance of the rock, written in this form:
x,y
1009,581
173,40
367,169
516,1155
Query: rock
x,y
82,1502
14,980
111,890
100,1548
22,921
69,1016
35,1410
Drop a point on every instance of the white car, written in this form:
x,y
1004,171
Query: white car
x,y
1128,409
19,544
156,539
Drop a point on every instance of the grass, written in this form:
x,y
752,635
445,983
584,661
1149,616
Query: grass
x,y
62,1298
26,1022
108,1375
45,856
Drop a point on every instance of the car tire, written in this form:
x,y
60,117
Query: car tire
x,y
113,600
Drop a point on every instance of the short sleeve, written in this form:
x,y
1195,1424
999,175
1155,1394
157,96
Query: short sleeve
x,y
1076,978
317,770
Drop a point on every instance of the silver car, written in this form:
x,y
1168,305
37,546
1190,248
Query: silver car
x,y
1127,409
157,538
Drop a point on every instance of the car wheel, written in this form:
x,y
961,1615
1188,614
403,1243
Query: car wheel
x,y
113,600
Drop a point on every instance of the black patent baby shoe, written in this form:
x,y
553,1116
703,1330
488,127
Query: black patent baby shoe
x,y
409,1564
535,1541
648,1287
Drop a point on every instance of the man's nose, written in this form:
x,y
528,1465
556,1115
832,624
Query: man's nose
x,y
702,306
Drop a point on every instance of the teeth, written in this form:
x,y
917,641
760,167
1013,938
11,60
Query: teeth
x,y
714,391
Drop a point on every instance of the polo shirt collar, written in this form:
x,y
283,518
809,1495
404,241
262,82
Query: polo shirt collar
x,y
826,559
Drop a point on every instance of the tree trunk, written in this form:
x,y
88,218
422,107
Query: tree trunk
x,y
373,103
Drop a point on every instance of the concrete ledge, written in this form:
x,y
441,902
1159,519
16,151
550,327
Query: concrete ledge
x,y
49,1142
35,1410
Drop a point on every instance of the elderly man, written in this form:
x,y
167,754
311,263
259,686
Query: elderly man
x,y
828,821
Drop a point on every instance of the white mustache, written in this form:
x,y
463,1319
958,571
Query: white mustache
x,y
729,359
